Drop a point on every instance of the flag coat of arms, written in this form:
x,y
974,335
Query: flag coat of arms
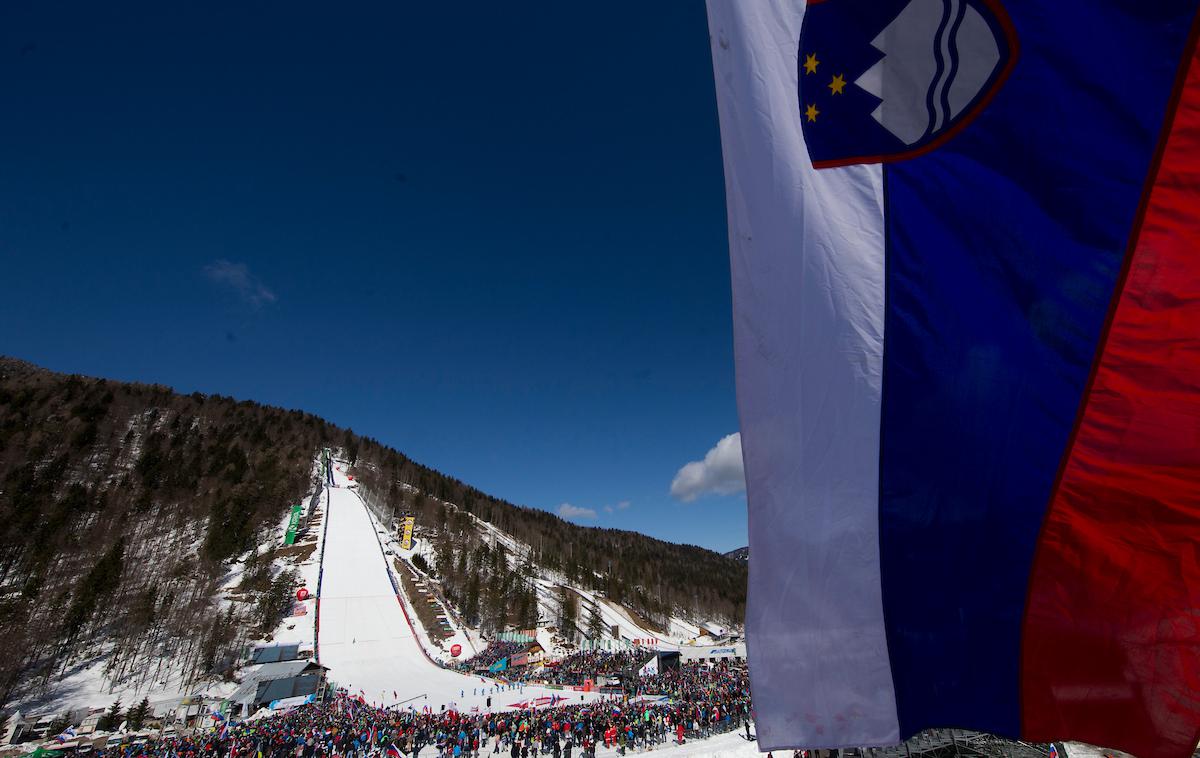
x,y
965,252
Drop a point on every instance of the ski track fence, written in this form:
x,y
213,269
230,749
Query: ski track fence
x,y
320,580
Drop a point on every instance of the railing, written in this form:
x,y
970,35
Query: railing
x,y
320,580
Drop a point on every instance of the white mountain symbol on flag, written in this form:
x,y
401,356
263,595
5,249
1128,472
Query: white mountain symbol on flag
x,y
938,56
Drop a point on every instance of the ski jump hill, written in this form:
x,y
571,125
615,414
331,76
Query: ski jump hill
x,y
365,638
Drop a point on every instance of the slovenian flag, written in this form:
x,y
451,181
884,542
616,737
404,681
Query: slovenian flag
x,y
964,240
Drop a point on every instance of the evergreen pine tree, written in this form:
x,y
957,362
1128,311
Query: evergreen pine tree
x,y
138,714
58,726
102,579
595,622
529,608
111,718
568,612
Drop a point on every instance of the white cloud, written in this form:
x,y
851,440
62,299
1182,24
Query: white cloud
x,y
568,511
620,506
720,473
237,277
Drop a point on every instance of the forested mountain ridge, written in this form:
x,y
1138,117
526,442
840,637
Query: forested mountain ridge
x,y
490,585
120,508
124,505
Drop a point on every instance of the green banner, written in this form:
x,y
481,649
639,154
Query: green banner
x,y
293,525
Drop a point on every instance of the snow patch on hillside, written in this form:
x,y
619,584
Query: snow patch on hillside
x,y
89,683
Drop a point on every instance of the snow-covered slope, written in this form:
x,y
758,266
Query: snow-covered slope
x,y
365,638
615,615
680,630
91,684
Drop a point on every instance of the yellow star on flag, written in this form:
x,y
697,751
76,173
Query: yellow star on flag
x,y
838,84
811,63
811,113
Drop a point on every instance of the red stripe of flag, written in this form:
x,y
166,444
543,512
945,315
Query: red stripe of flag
x,y
1111,653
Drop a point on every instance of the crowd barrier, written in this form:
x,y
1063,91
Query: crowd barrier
x,y
320,579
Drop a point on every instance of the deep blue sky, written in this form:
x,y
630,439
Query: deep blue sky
x,y
491,235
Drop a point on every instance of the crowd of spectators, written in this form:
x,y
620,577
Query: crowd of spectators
x,y
698,701
697,681
577,667
495,651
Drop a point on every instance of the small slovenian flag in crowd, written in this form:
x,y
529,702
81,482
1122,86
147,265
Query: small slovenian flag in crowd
x,y
224,731
216,716
1053,750
392,751
66,734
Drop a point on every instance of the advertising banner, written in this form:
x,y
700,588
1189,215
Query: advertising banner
x,y
288,703
293,525
406,535
528,635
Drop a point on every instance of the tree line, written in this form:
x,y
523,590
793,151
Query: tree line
x,y
121,507
652,577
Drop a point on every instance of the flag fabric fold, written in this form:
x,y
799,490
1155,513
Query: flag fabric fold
x,y
967,343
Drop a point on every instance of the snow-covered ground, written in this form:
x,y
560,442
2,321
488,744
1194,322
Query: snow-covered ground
x,y
615,615
679,630
365,638
728,745
468,639
87,683
298,629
